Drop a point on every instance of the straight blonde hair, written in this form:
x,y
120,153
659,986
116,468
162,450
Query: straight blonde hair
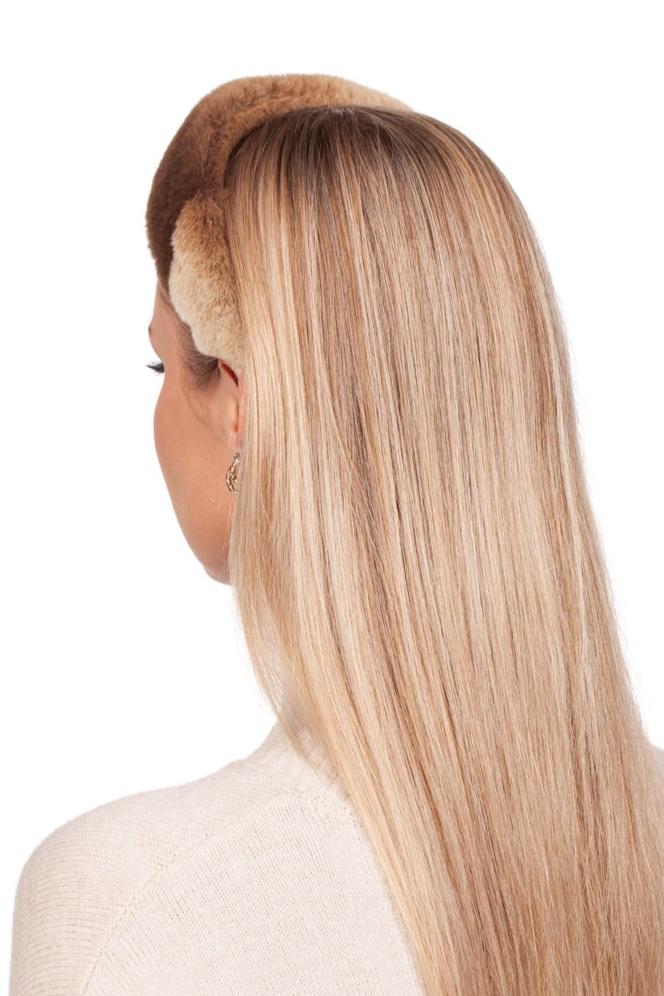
x,y
414,558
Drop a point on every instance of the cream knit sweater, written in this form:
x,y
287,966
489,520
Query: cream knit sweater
x,y
255,879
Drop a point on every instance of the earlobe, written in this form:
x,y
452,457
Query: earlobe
x,y
226,401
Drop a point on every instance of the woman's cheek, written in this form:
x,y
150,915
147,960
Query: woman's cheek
x,y
157,425
164,435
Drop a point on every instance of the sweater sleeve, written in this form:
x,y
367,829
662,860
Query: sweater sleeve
x,y
76,884
62,907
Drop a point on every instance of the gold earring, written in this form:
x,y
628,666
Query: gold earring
x,y
231,473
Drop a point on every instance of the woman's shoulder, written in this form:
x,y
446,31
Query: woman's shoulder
x,y
82,885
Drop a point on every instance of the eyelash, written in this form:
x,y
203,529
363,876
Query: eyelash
x,y
157,367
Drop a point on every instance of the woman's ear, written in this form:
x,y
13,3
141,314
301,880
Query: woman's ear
x,y
229,404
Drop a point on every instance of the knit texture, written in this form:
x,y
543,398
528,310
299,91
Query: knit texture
x,y
255,879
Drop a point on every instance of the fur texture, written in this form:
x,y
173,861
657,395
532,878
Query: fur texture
x,y
185,210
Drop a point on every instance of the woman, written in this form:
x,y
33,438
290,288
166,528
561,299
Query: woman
x,y
367,427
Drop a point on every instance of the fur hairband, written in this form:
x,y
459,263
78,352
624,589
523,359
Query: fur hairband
x,y
185,215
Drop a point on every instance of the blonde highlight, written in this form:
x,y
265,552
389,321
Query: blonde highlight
x,y
415,561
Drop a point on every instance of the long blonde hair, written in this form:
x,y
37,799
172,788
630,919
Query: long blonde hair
x,y
414,558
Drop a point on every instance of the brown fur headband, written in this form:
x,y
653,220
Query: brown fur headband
x,y
185,217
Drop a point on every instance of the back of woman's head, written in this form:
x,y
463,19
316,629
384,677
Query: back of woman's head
x,y
415,561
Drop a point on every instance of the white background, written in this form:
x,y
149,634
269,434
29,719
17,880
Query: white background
x,y
123,667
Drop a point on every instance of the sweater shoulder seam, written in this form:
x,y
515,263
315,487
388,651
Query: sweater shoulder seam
x,y
319,803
